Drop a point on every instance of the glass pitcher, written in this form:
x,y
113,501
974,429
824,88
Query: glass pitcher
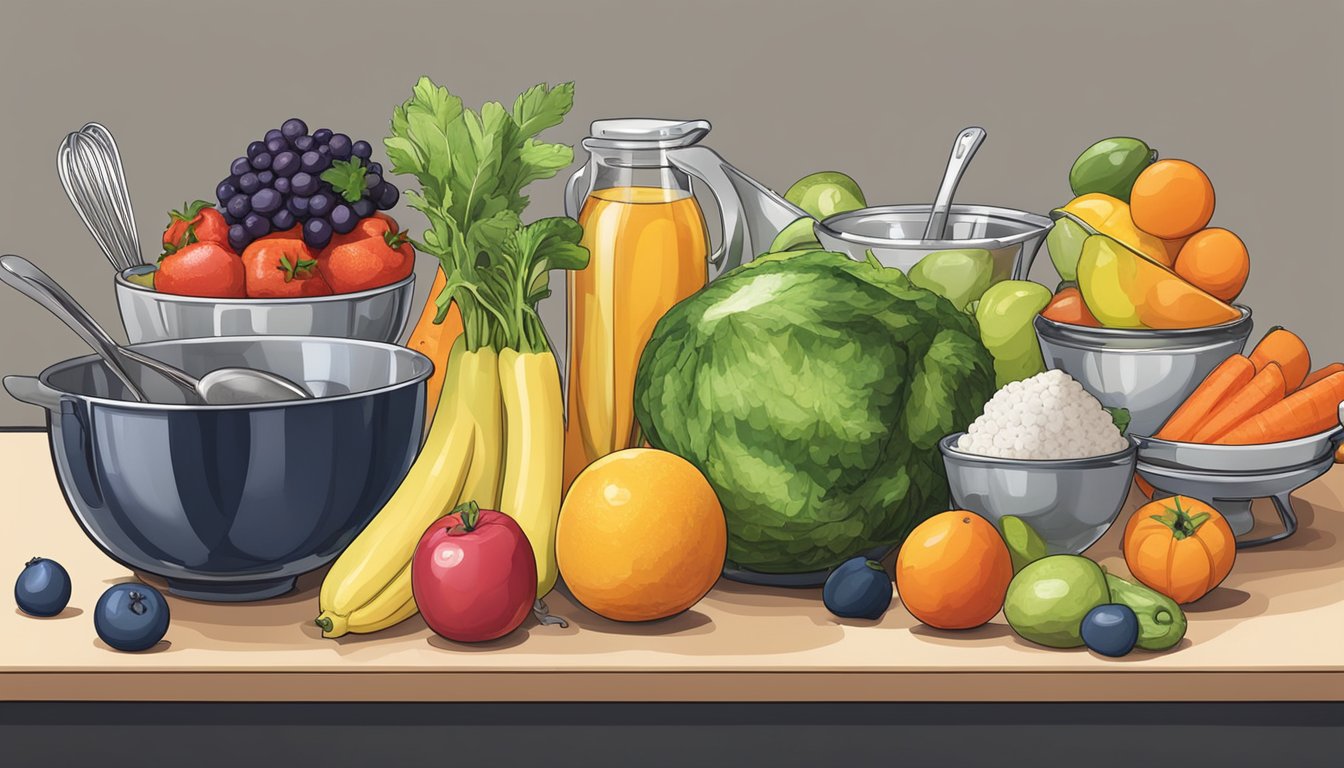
x,y
648,249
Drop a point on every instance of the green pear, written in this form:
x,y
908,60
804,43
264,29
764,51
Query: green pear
x,y
1005,315
960,276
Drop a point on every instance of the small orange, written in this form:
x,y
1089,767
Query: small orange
x,y
1171,199
641,536
953,571
1217,261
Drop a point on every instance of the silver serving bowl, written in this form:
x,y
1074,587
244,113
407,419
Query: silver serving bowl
x,y
379,314
1148,372
1069,502
894,233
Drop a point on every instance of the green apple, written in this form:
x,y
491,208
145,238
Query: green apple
x,y
826,193
960,276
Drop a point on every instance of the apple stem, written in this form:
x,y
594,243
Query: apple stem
x,y
470,513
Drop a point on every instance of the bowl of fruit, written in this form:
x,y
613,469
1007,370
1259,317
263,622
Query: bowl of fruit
x,y
1144,312
298,245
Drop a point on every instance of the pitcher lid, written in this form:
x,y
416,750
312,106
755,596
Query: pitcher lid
x,y
644,131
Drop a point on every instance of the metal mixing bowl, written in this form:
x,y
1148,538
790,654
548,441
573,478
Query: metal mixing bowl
x,y
894,233
378,314
1069,502
233,502
1148,372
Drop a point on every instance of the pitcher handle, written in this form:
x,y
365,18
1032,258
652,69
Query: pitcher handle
x,y
576,191
751,214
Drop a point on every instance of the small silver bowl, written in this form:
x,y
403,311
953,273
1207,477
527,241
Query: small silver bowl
x,y
1148,372
894,233
1069,502
379,314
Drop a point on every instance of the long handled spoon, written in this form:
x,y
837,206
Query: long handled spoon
x,y
963,149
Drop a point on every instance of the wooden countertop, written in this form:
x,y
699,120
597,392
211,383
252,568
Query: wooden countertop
x,y
1270,632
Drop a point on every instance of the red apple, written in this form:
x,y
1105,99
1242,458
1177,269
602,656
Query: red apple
x,y
473,575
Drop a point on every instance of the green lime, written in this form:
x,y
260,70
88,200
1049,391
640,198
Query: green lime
x,y
1025,545
1048,599
798,235
1110,167
960,276
1065,244
826,193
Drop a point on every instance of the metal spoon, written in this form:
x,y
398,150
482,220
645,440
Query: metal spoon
x,y
222,386
963,149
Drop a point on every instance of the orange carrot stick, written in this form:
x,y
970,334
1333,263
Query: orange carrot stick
x,y
1306,412
1230,376
1267,388
1316,376
1284,347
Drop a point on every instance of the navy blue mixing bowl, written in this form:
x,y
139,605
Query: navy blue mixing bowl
x,y
232,503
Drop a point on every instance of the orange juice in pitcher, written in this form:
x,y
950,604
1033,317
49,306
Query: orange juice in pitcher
x,y
648,249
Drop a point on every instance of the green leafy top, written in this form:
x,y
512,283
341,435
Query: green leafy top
x,y
347,178
472,168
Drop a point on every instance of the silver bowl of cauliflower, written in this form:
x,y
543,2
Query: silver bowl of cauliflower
x,y
1046,451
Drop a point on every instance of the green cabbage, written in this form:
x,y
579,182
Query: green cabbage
x,y
811,391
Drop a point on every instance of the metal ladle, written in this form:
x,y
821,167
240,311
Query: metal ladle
x,y
963,149
222,386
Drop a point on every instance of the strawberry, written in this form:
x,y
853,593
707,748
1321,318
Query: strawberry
x,y
280,267
371,255
199,222
201,269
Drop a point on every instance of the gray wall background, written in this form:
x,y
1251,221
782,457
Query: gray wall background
x,y
1249,90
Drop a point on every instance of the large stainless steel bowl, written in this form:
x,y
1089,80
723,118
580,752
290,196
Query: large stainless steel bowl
x,y
379,314
233,502
1148,372
894,233
1070,502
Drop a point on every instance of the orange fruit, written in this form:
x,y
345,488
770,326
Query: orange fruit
x,y
1171,199
953,571
641,536
1217,261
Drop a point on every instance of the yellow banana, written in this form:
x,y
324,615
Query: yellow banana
x,y
369,585
484,409
533,465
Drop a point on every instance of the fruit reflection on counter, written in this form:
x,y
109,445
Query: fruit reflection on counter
x,y
816,420
1265,397
1136,244
496,439
641,536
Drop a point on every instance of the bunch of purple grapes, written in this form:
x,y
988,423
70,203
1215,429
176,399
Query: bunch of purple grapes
x,y
278,184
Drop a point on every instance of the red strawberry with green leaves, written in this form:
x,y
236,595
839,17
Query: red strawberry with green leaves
x,y
199,222
282,268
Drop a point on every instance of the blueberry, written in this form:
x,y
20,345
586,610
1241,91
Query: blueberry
x,y
240,166
340,146
131,617
225,190
249,182
266,201
362,207
1111,630
304,143
303,183
255,148
362,150
320,204
265,177
342,218
256,225
298,205
312,162
316,233
387,196
372,180
43,588
281,185
293,128
858,589
262,161
282,220
375,168
238,239
276,146
239,206
322,135
285,163
229,218
274,133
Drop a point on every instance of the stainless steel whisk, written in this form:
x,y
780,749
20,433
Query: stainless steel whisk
x,y
94,180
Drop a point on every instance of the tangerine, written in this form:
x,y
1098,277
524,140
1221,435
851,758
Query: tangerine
x,y
1171,199
953,571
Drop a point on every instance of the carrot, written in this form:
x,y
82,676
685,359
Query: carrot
x,y
1328,370
1307,411
1230,376
1266,389
1145,487
435,340
1284,347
